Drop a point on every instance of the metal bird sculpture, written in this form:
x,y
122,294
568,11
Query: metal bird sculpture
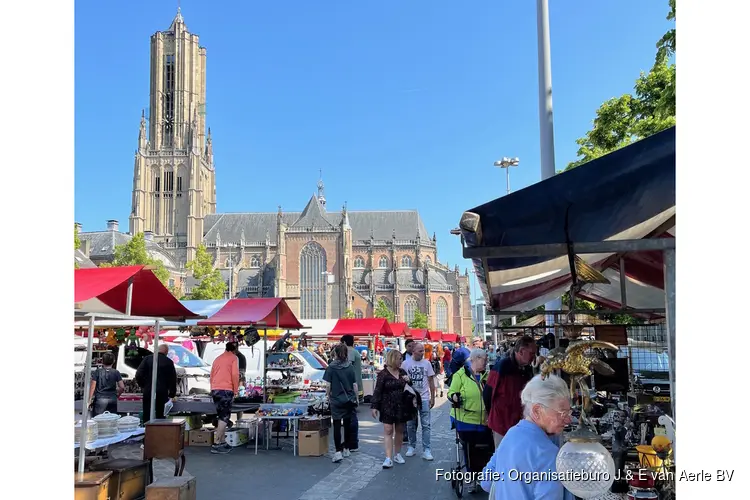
x,y
578,364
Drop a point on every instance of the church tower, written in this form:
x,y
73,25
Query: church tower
x,y
174,184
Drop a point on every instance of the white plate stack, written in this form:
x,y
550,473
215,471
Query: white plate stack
x,y
92,432
107,424
128,424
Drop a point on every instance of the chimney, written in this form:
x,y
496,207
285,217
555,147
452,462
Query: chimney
x,y
85,247
79,227
112,225
148,235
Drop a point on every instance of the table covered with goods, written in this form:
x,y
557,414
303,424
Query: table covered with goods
x,y
107,429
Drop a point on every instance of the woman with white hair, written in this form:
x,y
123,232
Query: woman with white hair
x,y
469,415
530,446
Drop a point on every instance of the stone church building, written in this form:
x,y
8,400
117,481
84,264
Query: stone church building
x,y
324,261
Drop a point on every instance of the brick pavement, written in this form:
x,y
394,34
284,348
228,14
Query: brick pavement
x,y
278,474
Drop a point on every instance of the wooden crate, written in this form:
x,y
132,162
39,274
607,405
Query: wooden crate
x,y
173,488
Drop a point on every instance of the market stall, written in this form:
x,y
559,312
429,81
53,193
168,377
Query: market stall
x,y
605,232
132,290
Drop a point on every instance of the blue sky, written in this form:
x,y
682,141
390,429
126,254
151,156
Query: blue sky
x,y
402,104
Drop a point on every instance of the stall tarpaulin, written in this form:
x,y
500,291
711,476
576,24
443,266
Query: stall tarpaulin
x,y
251,312
628,194
434,336
400,329
449,337
104,290
362,327
417,333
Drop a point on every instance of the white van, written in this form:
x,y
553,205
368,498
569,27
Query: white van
x,y
193,373
312,372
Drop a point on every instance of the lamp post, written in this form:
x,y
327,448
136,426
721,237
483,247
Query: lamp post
x,y
506,163
231,269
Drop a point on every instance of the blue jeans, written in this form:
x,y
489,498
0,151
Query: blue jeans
x,y
354,430
424,420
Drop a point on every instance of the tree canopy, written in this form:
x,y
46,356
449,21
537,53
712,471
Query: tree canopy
x,y
212,285
382,310
419,321
133,253
348,314
651,108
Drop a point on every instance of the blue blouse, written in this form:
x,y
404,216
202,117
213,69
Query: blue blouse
x,y
525,449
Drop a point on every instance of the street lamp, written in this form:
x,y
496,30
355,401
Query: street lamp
x,y
506,163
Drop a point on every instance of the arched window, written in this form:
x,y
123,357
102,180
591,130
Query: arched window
x,y
359,262
312,281
428,260
410,309
254,261
359,314
383,262
405,261
441,315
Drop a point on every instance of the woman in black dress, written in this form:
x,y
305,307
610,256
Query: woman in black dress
x,y
395,404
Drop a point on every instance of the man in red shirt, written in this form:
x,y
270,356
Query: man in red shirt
x,y
502,394
225,383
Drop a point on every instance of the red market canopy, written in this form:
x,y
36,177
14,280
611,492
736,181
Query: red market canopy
x,y
104,290
449,337
400,329
434,336
362,327
268,312
418,333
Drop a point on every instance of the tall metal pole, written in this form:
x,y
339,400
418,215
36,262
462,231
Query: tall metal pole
x,y
546,128
85,401
152,413
670,293
507,180
129,299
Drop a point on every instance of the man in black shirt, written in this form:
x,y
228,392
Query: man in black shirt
x,y
242,361
166,382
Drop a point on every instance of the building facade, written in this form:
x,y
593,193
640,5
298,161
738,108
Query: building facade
x,y
324,262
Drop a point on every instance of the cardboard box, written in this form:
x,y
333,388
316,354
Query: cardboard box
x,y
237,437
313,443
201,437
314,424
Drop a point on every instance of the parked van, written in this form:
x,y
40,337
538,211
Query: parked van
x,y
312,372
193,373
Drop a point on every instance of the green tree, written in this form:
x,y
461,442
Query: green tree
x,y
419,321
348,314
76,243
382,310
623,120
212,285
133,253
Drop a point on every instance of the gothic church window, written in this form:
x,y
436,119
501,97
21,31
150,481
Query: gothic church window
x,y
441,315
312,281
254,261
405,261
410,309
179,183
383,262
359,314
359,263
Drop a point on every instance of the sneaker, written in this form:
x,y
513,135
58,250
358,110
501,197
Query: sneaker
x,y
387,463
354,450
346,453
410,452
221,448
399,459
427,455
337,457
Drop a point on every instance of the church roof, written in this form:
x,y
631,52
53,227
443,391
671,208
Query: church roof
x,y
313,217
408,279
381,225
83,261
177,20
102,246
